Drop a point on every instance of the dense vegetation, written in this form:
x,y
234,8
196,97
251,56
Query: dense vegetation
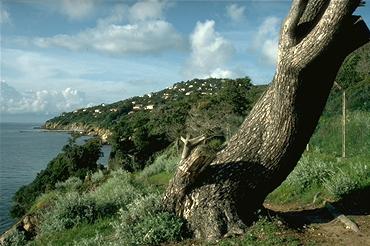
x,y
142,126
74,161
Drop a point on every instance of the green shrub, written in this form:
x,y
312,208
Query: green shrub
x,y
166,161
119,190
153,230
14,238
319,173
97,240
97,176
71,184
347,180
69,210
309,171
143,223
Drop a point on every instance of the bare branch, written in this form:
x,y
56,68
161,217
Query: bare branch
x,y
190,144
197,140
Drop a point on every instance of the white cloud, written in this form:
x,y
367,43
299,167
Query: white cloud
x,y
119,13
4,16
144,37
235,12
44,101
209,52
149,34
77,9
147,10
103,78
267,38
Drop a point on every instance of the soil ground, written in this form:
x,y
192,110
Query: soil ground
x,y
316,226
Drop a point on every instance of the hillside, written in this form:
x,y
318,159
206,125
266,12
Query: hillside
x,y
140,126
107,116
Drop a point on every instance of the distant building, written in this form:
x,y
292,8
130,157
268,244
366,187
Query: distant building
x,y
149,107
137,107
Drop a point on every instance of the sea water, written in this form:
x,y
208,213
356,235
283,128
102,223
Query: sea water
x,y
25,151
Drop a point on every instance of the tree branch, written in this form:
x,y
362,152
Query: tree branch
x,y
337,19
197,140
291,23
190,144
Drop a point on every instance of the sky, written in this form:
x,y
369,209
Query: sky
x,y
59,55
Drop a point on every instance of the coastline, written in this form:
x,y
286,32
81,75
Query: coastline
x,y
26,130
82,129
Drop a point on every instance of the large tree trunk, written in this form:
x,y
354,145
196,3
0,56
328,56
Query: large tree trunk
x,y
218,195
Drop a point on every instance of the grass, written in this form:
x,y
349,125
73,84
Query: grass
x,y
328,135
160,179
165,162
322,171
77,234
265,232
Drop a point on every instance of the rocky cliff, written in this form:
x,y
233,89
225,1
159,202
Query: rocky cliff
x,y
84,129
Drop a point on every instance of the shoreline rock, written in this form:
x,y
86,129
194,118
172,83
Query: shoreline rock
x,y
83,129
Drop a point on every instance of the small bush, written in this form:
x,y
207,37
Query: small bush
x,y
14,238
165,162
154,229
309,171
70,209
71,184
97,240
344,182
119,190
143,223
97,176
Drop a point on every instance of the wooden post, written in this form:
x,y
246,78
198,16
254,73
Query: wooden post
x,y
344,125
343,118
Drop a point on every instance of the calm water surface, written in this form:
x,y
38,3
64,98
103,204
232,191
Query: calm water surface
x,y
24,151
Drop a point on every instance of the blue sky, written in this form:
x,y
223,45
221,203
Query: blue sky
x,y
64,54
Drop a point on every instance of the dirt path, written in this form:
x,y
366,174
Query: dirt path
x,y
316,226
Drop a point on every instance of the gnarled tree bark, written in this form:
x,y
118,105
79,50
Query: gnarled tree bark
x,y
218,194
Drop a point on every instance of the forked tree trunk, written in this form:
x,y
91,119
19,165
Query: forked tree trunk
x,y
218,195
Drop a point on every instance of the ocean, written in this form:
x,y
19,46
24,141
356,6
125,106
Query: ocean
x,y
25,151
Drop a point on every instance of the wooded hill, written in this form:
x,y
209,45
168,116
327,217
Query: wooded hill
x,y
143,125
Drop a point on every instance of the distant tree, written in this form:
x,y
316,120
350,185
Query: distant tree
x,y
234,92
212,118
348,74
